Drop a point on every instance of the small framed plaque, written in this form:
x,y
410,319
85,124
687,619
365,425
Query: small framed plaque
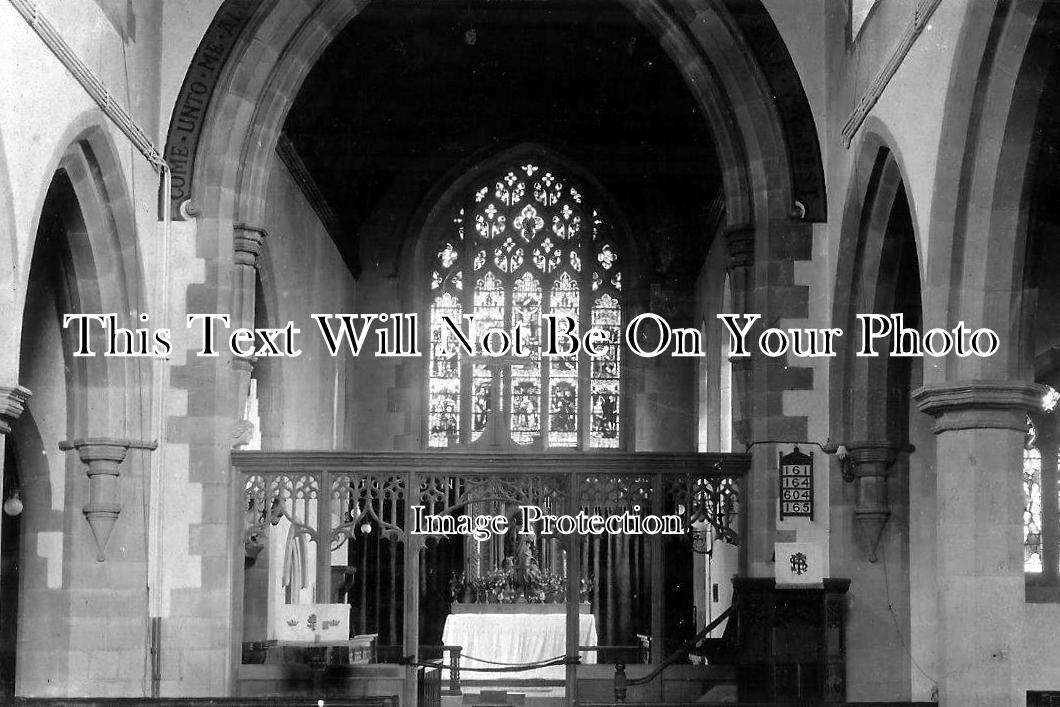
x,y
796,485
313,623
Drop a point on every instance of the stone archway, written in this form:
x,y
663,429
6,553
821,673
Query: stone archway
x,y
83,260
975,262
234,132
872,509
975,273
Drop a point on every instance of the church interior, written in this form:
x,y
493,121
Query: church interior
x,y
243,242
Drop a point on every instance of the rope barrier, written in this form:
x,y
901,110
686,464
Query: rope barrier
x,y
508,667
493,662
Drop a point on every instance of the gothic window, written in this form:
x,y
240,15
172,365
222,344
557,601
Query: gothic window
x,y
525,242
1035,478
1032,504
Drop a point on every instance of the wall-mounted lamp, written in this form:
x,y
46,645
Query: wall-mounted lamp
x,y
829,447
13,505
842,454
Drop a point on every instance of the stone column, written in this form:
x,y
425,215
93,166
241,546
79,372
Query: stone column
x,y
740,245
870,464
243,429
248,242
757,508
980,427
103,457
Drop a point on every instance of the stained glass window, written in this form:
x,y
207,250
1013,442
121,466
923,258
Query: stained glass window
x,y
534,245
1032,506
1034,484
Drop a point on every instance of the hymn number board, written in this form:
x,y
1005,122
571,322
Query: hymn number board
x,y
796,485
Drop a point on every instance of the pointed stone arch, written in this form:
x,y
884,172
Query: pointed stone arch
x,y
84,259
271,47
878,272
976,260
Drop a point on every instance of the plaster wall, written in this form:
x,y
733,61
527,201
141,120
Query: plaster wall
x,y
304,276
53,110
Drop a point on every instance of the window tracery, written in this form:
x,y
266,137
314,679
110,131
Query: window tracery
x,y
1032,506
1037,477
535,245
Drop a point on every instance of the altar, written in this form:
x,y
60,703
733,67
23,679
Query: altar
x,y
490,634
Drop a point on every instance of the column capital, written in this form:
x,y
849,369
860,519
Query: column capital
x,y
248,242
12,404
979,404
872,458
740,243
103,449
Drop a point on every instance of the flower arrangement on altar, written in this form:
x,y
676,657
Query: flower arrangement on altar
x,y
508,586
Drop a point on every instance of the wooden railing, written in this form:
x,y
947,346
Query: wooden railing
x,y
453,665
623,683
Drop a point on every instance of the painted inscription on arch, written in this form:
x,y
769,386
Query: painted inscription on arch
x,y
200,82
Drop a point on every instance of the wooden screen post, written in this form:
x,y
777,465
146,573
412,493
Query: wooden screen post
x,y
574,576
658,579
411,628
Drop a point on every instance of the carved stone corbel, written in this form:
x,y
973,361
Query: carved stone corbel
x,y
103,457
12,405
871,464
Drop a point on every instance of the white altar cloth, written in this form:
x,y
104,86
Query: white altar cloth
x,y
516,638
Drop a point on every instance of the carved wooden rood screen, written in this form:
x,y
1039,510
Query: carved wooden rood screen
x,y
333,529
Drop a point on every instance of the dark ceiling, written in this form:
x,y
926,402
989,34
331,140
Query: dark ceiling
x,y
410,90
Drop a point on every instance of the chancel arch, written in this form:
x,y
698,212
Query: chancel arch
x,y
748,153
